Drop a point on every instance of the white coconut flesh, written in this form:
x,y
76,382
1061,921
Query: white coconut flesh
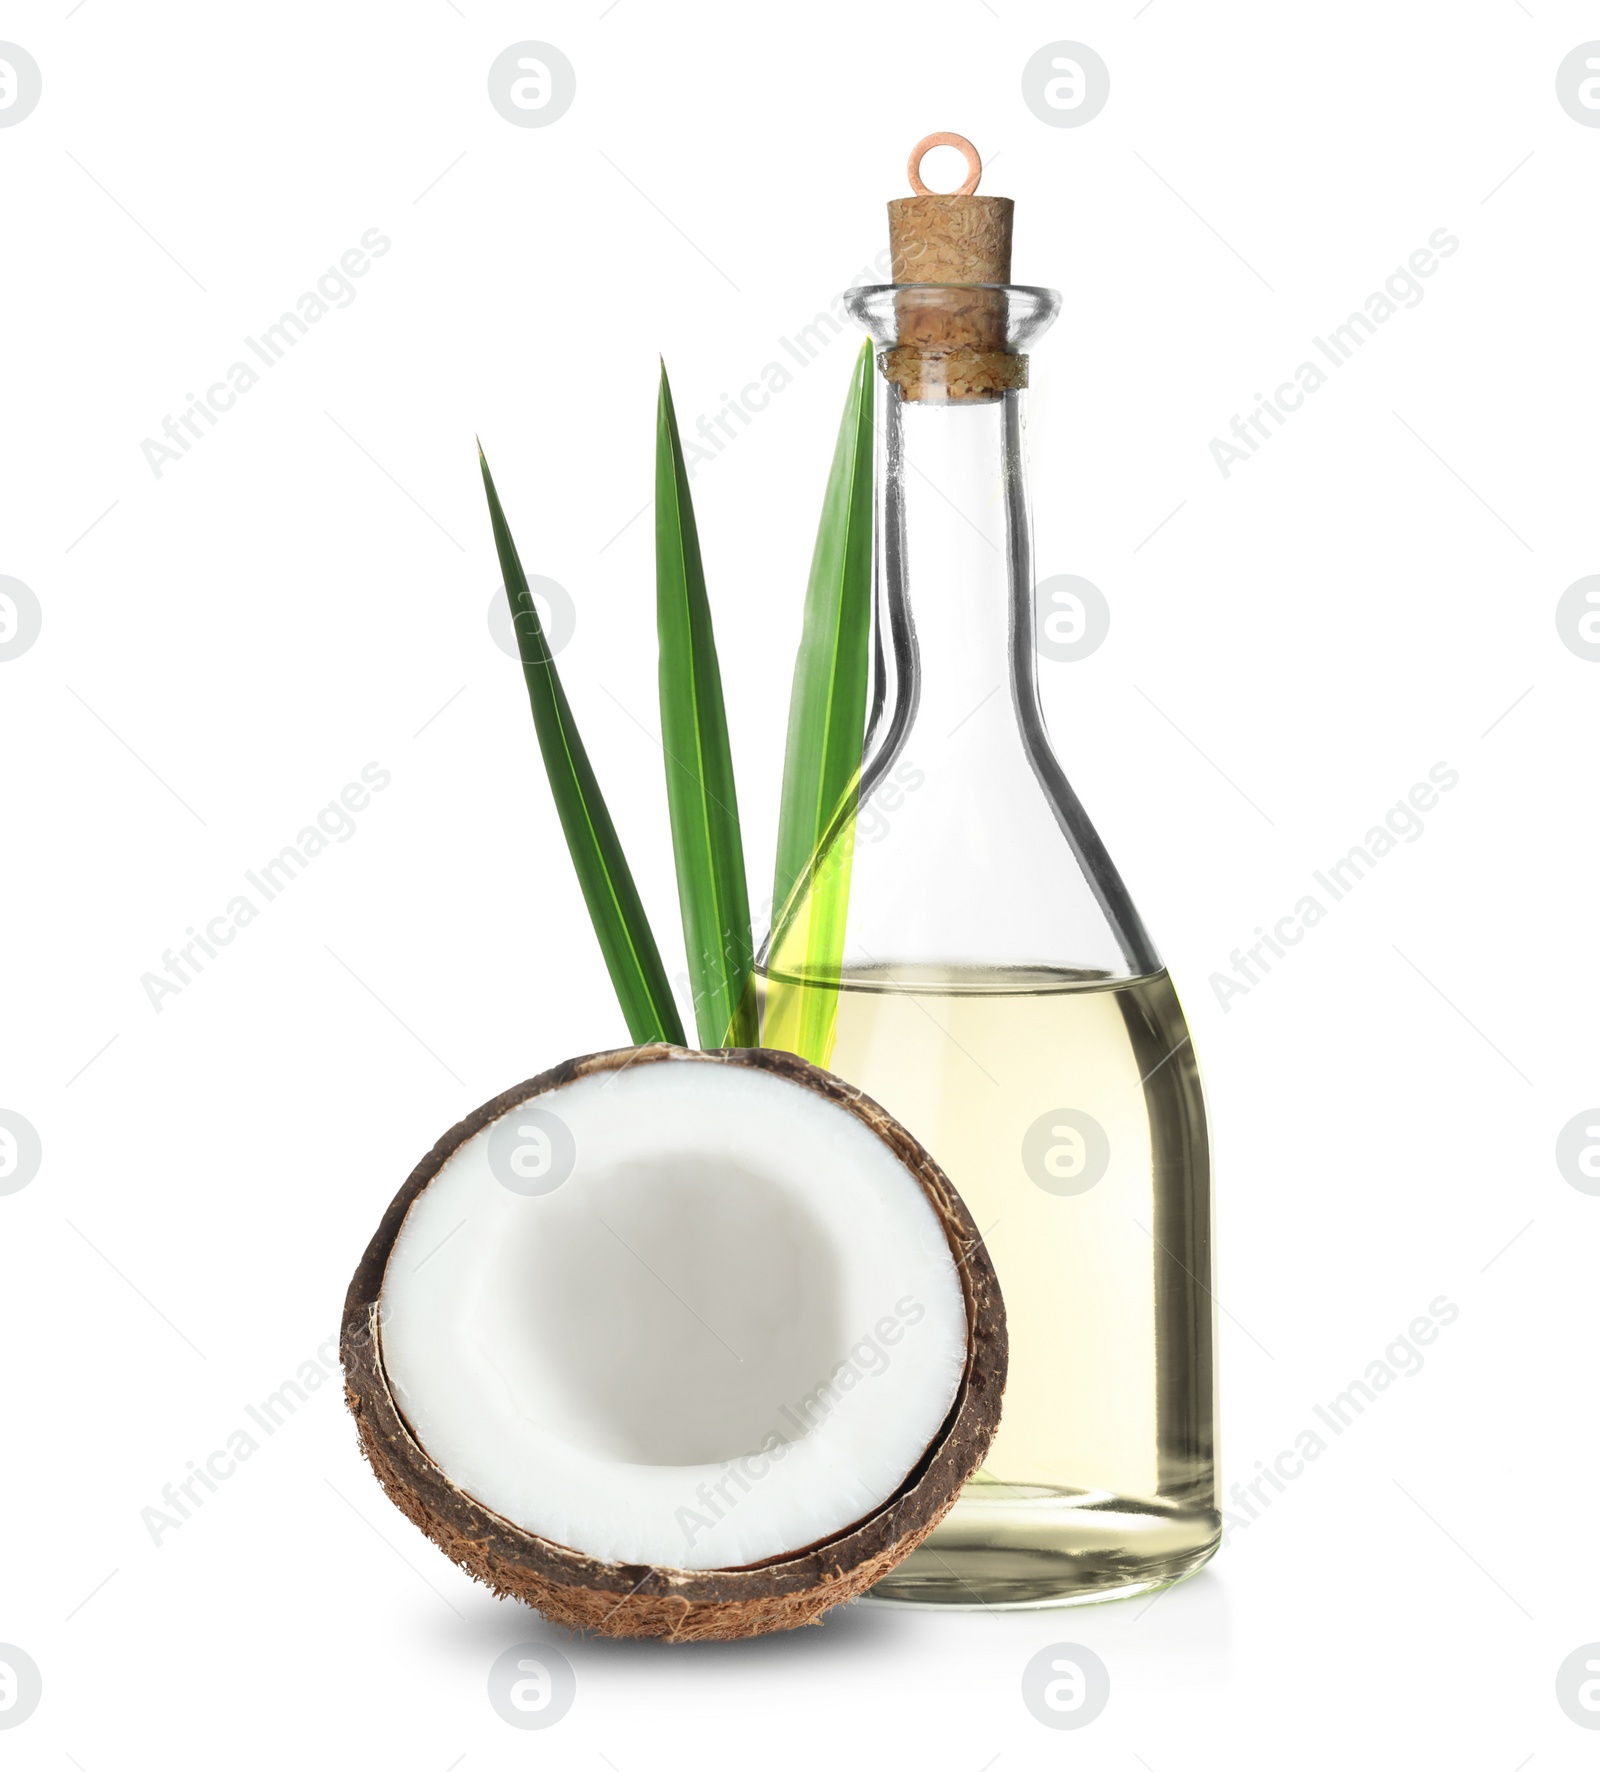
x,y
726,1324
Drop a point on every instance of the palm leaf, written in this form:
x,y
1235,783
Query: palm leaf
x,y
706,843
822,762
620,924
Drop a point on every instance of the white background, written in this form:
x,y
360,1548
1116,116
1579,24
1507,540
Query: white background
x,y
225,646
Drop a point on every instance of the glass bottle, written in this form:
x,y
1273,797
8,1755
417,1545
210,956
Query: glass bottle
x,y
1000,997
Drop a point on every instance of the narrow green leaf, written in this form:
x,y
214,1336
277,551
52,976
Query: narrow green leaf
x,y
620,924
706,843
822,763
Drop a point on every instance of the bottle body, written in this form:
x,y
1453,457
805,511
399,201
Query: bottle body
x,y
1001,998
1068,1111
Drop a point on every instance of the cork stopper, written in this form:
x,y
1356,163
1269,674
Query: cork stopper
x,y
951,343
954,238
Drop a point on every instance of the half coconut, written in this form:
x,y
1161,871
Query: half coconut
x,y
676,1344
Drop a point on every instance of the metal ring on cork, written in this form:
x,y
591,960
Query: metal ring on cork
x,y
944,138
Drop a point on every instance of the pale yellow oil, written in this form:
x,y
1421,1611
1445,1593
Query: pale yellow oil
x,y
1100,1482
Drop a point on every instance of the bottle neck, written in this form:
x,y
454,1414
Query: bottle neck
x,y
948,540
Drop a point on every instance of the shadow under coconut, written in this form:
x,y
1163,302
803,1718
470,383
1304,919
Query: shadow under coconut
x,y
492,1625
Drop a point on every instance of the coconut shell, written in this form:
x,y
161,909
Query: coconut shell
x,y
680,1605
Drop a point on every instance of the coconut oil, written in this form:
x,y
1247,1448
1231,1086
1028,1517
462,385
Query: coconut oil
x,y
1068,1112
